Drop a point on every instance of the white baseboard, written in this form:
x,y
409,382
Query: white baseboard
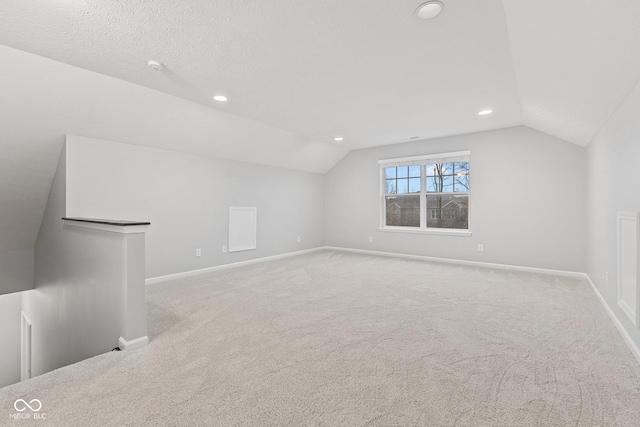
x,y
168,277
133,344
623,332
463,262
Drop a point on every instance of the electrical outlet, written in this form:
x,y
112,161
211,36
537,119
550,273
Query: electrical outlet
x,y
224,249
198,252
370,239
606,277
298,239
480,247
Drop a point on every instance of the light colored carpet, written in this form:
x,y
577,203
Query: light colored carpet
x,y
338,339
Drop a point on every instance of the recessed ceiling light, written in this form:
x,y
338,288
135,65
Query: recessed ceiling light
x,y
155,65
220,98
338,138
485,112
429,10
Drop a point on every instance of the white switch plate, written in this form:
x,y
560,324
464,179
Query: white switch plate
x,y
480,248
370,239
224,249
198,252
298,239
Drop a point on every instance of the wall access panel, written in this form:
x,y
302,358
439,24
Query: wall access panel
x,y
243,228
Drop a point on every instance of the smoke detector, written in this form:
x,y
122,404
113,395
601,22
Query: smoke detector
x,y
155,65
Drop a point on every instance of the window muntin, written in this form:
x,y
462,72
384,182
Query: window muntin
x,y
426,192
402,180
450,177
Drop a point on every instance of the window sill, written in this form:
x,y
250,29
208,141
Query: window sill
x,y
434,231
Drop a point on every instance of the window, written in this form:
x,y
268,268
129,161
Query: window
x,y
426,193
402,187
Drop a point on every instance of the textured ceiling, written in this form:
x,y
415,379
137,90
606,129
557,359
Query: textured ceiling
x,y
42,100
297,74
367,70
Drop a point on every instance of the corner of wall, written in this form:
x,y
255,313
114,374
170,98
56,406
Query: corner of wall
x,y
34,303
10,307
613,153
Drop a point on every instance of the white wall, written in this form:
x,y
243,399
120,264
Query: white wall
x,y
10,306
613,185
75,310
527,201
41,100
16,270
187,197
77,307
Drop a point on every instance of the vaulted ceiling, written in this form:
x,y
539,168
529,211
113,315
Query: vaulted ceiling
x,y
297,74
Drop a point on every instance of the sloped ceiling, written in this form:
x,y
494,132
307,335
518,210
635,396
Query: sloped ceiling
x,y
369,71
297,74
575,61
43,100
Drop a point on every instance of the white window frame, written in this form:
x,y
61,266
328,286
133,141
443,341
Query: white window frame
x,y
422,161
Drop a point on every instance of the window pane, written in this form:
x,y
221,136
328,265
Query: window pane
x,y
461,168
433,184
440,184
403,186
390,172
446,168
390,186
403,171
414,171
403,211
451,211
461,183
438,169
414,185
447,184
